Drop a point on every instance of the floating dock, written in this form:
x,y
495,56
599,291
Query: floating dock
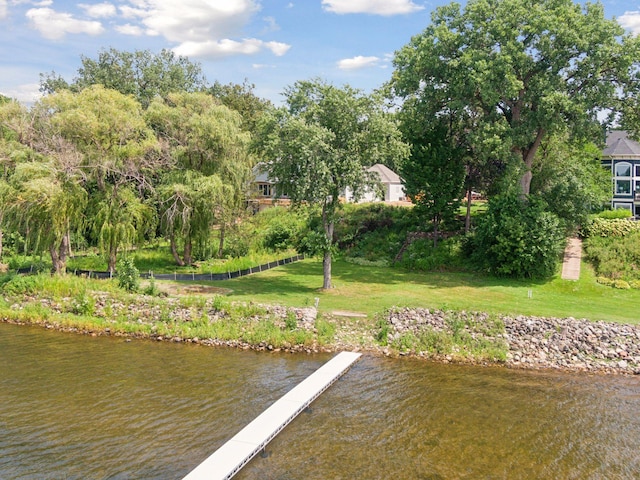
x,y
225,462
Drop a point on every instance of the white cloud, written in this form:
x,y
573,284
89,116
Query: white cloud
x,y
227,47
129,29
99,10
358,62
375,7
201,28
28,93
55,25
194,20
3,9
631,21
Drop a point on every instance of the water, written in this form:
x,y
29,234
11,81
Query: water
x,y
77,407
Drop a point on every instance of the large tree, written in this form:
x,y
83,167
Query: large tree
x,y
518,69
118,154
206,141
143,74
319,144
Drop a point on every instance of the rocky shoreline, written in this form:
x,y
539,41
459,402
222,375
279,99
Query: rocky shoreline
x,y
529,342
537,342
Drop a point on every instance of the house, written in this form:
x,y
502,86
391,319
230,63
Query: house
x,y
263,190
622,157
392,189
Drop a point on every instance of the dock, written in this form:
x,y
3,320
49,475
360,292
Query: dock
x,y
229,459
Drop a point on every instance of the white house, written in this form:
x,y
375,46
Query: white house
x,y
392,189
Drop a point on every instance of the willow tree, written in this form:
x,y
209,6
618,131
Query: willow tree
x,y
319,144
119,155
518,70
205,138
45,206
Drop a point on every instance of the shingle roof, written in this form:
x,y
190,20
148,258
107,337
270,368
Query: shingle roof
x,y
386,174
619,143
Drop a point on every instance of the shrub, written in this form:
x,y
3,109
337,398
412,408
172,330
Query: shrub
x,y
127,275
621,284
617,213
615,227
616,257
516,238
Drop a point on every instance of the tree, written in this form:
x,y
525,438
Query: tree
x,y
142,74
319,144
570,178
242,99
434,172
206,141
118,154
519,69
41,185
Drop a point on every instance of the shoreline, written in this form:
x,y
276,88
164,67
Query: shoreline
x,y
531,343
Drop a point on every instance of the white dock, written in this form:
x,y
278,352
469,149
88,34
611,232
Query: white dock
x,y
225,462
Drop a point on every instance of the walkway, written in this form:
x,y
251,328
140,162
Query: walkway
x,y
225,462
572,258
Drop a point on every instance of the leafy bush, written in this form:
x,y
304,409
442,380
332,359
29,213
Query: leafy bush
x,y
127,275
617,213
621,284
615,227
516,238
615,257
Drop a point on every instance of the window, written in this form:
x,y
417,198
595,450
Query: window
x,y
623,187
623,169
264,189
637,170
623,206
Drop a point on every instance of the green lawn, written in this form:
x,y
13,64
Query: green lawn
x,y
372,289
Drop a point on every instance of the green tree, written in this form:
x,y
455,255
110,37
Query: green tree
x,y
519,70
41,185
571,180
319,144
118,154
434,172
242,99
143,74
207,140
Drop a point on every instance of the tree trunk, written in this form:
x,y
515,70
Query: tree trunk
x,y
467,218
221,244
527,157
436,223
0,243
63,253
326,270
174,251
188,247
113,257
327,221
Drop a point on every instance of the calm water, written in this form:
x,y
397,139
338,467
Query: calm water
x,y
75,407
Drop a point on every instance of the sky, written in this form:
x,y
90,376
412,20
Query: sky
x,y
270,43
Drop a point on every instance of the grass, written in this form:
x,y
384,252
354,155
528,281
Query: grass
x,y
371,289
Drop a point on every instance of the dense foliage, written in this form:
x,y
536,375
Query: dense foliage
x,y
517,238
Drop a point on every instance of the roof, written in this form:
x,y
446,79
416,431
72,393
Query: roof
x,y
619,144
386,174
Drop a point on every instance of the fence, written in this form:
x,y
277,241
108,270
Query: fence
x,y
185,277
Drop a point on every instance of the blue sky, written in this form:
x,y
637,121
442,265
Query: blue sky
x,y
272,43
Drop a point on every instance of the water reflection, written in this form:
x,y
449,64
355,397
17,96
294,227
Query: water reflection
x,y
80,407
